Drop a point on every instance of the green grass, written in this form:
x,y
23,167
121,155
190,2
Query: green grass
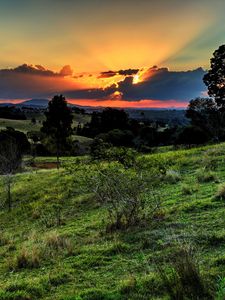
x,y
26,125
21,125
79,260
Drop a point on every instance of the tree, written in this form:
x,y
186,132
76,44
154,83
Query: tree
x,y
10,161
215,78
205,114
58,123
35,137
20,138
192,135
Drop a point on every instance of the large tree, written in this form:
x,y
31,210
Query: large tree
x,y
205,114
58,123
215,77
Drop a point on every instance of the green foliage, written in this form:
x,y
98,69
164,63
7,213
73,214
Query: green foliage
x,y
221,289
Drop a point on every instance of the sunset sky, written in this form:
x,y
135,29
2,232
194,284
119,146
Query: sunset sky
x,y
99,52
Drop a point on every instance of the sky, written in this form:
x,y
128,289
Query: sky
x,y
124,53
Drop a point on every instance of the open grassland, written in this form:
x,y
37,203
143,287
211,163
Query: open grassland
x,y
80,260
27,125
21,125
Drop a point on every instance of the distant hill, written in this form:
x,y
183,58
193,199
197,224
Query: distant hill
x,y
34,103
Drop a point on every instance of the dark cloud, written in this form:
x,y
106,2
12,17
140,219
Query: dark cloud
x,y
126,72
107,74
29,69
164,85
37,70
28,81
158,84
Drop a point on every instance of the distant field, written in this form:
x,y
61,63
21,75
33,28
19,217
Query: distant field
x,y
21,125
27,125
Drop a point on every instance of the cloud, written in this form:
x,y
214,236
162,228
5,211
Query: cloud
x,y
27,81
160,83
37,70
107,74
29,69
126,72
66,71
157,83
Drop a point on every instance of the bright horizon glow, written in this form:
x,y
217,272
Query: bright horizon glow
x,y
95,36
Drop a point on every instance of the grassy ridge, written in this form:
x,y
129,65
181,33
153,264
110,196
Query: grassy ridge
x,y
27,125
79,260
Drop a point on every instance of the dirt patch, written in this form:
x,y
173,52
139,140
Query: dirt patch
x,y
44,165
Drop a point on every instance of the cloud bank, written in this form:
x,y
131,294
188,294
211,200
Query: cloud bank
x,y
156,83
159,84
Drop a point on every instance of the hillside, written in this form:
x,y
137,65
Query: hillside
x,y
80,260
27,125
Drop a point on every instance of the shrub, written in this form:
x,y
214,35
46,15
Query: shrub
x,y
209,161
206,176
125,193
172,176
220,194
26,259
187,189
182,279
55,242
5,239
125,156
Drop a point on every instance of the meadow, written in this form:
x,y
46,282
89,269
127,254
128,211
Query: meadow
x,y
77,258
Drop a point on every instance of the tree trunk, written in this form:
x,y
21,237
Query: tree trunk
x,y
57,154
9,200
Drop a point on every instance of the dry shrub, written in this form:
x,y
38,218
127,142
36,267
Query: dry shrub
x,y
56,242
182,279
26,259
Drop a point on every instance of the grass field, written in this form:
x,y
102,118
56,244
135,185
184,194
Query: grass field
x,y
21,125
26,125
80,260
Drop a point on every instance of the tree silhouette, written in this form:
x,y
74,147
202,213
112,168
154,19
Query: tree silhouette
x,y
215,78
205,114
10,161
58,123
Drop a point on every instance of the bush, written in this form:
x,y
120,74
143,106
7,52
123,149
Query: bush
x,y
172,176
125,156
182,279
26,259
125,193
55,242
189,189
206,176
220,194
